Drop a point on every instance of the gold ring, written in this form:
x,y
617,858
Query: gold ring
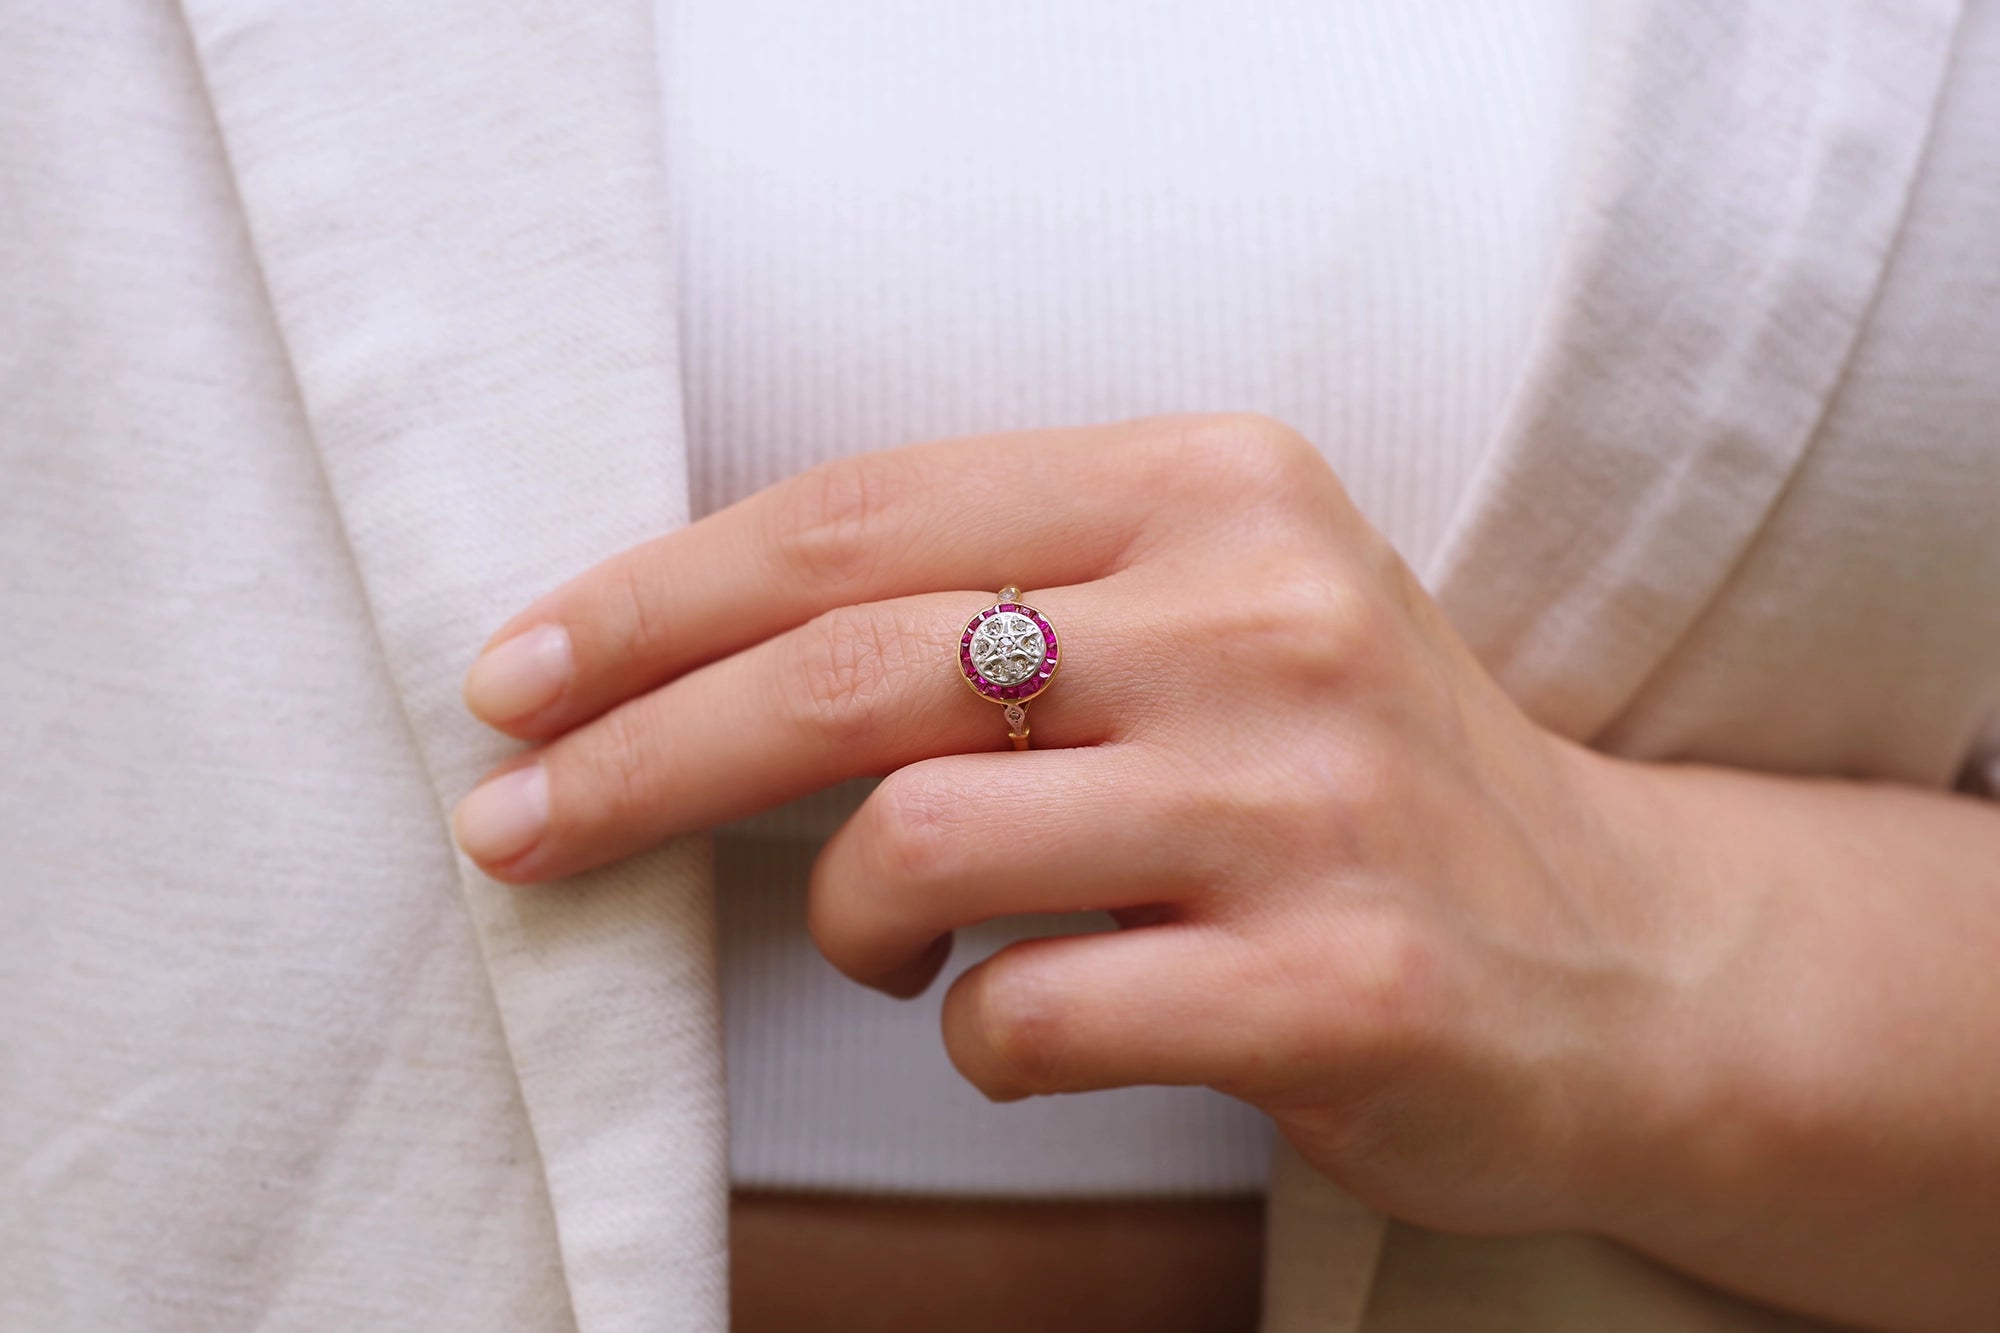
x,y
1008,655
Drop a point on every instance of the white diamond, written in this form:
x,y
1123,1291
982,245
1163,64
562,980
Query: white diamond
x,y
1017,717
1007,648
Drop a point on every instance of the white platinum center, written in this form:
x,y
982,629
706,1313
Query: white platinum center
x,y
1007,648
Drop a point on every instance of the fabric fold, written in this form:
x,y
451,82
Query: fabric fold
x,y
458,213
1741,194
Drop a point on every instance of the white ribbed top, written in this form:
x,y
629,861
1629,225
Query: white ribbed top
x,y
899,219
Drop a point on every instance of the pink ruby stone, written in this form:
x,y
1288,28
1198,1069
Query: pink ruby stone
x,y
1005,606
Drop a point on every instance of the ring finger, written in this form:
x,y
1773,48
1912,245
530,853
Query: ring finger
x,y
859,691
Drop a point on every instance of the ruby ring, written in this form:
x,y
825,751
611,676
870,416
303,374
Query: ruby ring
x,y
1008,654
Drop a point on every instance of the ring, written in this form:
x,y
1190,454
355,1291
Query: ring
x,y
1008,655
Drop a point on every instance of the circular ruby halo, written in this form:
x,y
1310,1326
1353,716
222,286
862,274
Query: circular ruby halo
x,y
1008,652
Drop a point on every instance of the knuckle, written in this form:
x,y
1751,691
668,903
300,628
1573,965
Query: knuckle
x,y
837,690
1375,980
1388,981
901,846
1279,817
915,840
1369,800
1242,453
1208,796
622,761
828,538
1311,624
637,599
1019,1026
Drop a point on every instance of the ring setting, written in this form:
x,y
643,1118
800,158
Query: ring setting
x,y
1008,654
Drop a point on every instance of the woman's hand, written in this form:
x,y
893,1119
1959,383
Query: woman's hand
x,y
1484,978
1360,889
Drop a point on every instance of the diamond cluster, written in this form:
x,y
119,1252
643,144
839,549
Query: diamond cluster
x,y
1007,648
1008,651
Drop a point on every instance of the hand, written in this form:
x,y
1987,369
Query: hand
x,y
1358,887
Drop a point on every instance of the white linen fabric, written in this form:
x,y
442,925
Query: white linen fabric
x,y
900,221
330,333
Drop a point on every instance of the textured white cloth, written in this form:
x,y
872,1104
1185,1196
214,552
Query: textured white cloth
x,y
329,336
331,333
897,220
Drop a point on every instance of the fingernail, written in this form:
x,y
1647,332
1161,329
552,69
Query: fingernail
x,y
503,816
519,675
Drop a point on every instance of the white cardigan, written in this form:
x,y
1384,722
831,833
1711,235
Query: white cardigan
x,y
329,332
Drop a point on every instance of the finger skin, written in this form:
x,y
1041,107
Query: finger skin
x,y
858,692
1079,1013
1034,509
962,839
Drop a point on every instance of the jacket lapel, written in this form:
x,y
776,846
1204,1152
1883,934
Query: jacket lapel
x,y
1741,193
1745,174
457,208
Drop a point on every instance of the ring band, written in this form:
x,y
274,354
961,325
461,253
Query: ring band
x,y
1008,654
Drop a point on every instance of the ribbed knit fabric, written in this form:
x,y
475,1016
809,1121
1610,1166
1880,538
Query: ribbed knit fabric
x,y
901,219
